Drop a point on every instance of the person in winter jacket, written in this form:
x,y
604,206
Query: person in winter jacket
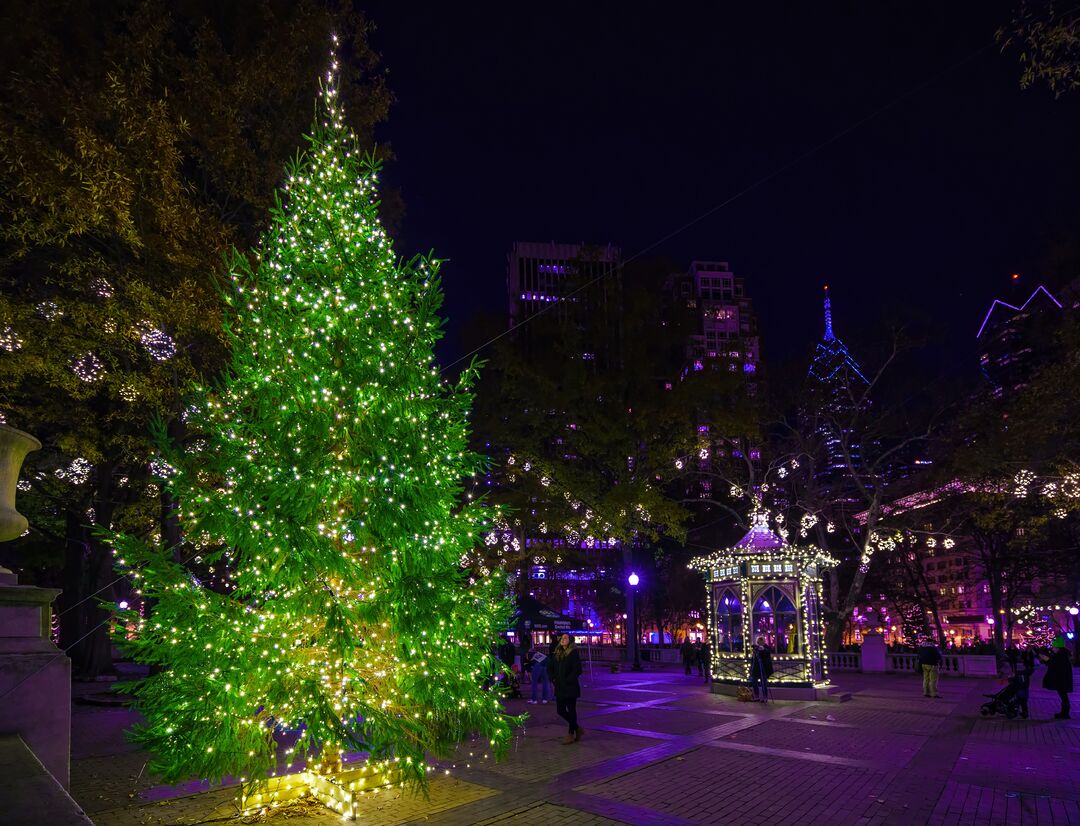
x,y
1059,676
539,671
565,676
928,659
687,651
761,668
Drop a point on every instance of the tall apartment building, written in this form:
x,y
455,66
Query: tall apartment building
x,y
576,283
555,289
726,328
1015,338
714,307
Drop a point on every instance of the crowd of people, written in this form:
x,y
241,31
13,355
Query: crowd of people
x,y
556,670
695,653
1022,665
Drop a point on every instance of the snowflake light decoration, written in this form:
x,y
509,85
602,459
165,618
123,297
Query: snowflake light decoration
x,y
78,472
87,367
49,310
157,342
9,340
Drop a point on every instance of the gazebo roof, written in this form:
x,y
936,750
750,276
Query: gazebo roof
x,y
760,537
762,544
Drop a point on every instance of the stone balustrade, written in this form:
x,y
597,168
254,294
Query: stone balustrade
x,y
958,665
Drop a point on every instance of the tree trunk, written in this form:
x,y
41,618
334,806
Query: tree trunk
x,y
834,623
931,603
994,582
659,615
835,634
76,550
171,534
91,655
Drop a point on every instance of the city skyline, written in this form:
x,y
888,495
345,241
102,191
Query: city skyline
x,y
944,177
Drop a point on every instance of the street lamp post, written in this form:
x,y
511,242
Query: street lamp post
x,y
631,621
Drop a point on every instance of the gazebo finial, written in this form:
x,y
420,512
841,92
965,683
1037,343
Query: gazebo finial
x,y
759,515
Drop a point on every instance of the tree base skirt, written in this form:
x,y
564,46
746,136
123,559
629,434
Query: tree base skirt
x,y
338,791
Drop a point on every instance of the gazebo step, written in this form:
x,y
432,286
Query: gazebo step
x,y
829,694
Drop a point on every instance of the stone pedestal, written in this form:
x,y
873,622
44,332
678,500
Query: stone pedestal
x,y
873,653
35,675
35,678
14,445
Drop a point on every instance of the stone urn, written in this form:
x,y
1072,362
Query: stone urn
x,y
14,445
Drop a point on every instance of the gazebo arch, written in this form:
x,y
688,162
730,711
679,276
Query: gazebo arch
x,y
728,621
776,618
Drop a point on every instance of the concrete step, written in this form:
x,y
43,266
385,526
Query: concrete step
x,y
31,795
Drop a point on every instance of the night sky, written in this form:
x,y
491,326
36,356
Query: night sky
x,y
595,122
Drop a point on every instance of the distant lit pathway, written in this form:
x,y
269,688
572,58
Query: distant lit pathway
x,y
659,749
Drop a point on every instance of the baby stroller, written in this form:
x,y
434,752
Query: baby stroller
x,y
1011,700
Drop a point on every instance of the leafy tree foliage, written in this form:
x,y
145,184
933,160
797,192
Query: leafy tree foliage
x,y
1049,43
1016,452
135,148
596,425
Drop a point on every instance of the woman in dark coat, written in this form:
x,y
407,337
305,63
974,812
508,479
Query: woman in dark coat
x,y
761,668
565,673
1059,675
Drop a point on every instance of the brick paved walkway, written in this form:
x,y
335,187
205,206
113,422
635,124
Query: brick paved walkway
x,y
658,749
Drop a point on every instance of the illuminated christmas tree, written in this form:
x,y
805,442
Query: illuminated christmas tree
x,y
321,494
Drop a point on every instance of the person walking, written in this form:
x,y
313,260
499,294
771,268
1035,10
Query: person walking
x,y
761,668
1059,676
1022,676
1012,655
687,651
539,671
506,653
526,649
703,661
928,659
565,674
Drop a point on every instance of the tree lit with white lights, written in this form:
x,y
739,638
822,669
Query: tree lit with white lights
x,y
321,494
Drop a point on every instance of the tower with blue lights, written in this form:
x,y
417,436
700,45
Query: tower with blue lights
x,y
836,391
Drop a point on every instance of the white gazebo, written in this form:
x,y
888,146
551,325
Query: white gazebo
x,y
763,587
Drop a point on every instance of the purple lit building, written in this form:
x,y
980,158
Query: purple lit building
x,y
722,334
725,334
